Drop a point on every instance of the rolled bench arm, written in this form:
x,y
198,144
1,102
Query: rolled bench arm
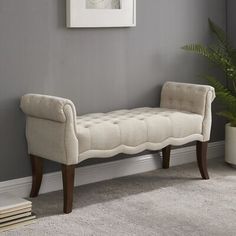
x,y
192,98
46,107
51,128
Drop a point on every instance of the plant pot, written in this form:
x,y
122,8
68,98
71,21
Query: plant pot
x,y
230,144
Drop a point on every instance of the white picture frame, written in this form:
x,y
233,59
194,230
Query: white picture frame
x,y
79,16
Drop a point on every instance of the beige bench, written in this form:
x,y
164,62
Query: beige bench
x,y
54,132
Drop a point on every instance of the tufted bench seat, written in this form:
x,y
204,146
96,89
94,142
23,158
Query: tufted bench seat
x,y
54,132
135,130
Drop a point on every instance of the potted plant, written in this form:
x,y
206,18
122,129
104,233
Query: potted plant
x,y
222,55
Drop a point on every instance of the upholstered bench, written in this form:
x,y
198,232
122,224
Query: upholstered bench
x,y
54,132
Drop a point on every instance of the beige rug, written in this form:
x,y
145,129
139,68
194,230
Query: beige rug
x,y
163,202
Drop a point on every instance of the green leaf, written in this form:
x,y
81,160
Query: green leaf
x,y
219,87
222,93
216,56
218,32
229,116
197,48
227,98
223,55
232,54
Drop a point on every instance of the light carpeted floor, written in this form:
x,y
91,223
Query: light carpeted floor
x,y
163,202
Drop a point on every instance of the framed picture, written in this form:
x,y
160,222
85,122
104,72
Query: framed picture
x,y
101,13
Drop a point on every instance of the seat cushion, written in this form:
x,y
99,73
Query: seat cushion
x,y
131,131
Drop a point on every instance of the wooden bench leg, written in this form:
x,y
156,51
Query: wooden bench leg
x,y
37,174
166,157
202,158
68,174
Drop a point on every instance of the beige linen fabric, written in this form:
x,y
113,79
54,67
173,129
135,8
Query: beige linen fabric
x,y
54,132
51,128
132,131
190,97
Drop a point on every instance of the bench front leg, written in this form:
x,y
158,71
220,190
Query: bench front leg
x,y
68,174
37,174
166,157
202,158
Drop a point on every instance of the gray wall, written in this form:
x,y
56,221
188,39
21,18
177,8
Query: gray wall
x,y
231,20
99,69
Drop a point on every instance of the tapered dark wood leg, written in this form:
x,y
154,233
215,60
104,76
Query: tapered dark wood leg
x,y
166,157
37,174
202,158
68,174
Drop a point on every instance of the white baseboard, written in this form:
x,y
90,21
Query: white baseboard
x,y
95,173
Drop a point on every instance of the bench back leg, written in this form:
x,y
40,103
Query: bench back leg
x,y
166,157
37,174
68,174
202,158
